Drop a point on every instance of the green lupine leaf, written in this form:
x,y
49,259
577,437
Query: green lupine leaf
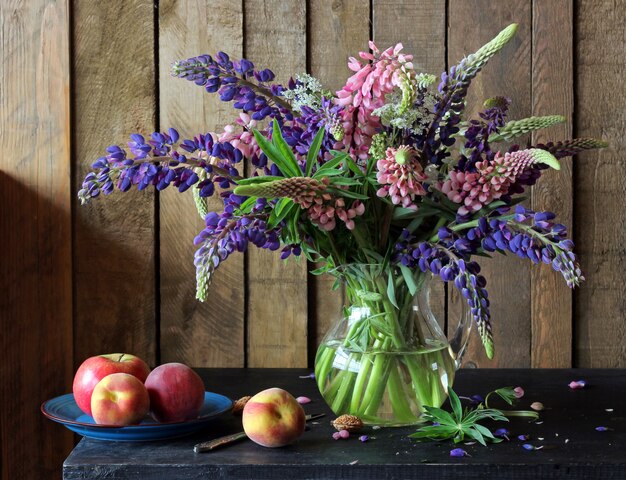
x,y
330,165
409,279
259,179
285,150
347,193
314,150
391,291
455,402
274,154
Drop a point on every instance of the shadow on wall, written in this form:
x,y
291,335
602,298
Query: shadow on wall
x,y
36,328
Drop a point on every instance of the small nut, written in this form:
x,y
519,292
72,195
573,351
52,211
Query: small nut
x,y
239,404
351,423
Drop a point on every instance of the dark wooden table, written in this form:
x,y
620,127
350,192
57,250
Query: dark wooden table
x,y
572,447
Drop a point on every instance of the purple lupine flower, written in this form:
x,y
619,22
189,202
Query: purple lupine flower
x,y
502,433
236,82
477,135
163,161
458,452
226,233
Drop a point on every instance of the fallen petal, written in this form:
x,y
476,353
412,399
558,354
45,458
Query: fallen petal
x,y
344,434
576,384
519,392
537,406
364,438
458,452
303,400
601,429
523,438
336,436
528,446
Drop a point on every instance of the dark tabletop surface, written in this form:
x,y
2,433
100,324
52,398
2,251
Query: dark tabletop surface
x,y
572,448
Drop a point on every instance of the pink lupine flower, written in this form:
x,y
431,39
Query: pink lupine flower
x,y
400,175
242,139
365,91
323,211
490,181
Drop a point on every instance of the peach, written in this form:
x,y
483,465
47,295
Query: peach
x,y
273,418
96,368
119,399
176,393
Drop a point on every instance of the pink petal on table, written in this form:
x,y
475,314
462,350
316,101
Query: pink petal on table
x,y
303,400
519,392
538,406
577,384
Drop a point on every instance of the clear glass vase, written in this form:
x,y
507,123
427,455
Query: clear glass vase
x,y
387,357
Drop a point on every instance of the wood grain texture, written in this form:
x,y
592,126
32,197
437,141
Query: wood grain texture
x,y
508,74
192,332
277,291
35,224
600,213
421,28
553,93
114,95
337,29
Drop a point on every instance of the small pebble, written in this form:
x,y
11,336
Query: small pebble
x,y
608,409
567,440
539,423
376,427
344,433
303,400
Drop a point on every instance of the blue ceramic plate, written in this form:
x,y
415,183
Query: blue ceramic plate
x,y
64,410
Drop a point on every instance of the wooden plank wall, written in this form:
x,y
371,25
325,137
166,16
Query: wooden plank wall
x,y
117,275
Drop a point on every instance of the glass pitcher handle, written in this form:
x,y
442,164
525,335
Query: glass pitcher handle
x,y
460,337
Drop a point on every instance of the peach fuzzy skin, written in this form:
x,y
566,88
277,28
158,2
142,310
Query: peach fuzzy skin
x,y
176,393
273,418
119,399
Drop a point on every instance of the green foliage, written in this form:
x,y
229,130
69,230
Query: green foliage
x,y
460,423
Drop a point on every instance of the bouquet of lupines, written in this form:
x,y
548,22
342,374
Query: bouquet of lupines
x,y
386,171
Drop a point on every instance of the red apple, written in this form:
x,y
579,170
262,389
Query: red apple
x,y
273,418
176,393
119,399
96,368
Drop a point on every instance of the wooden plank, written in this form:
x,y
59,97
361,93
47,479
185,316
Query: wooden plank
x,y
508,74
35,221
421,28
210,333
114,95
552,89
337,30
600,209
277,292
